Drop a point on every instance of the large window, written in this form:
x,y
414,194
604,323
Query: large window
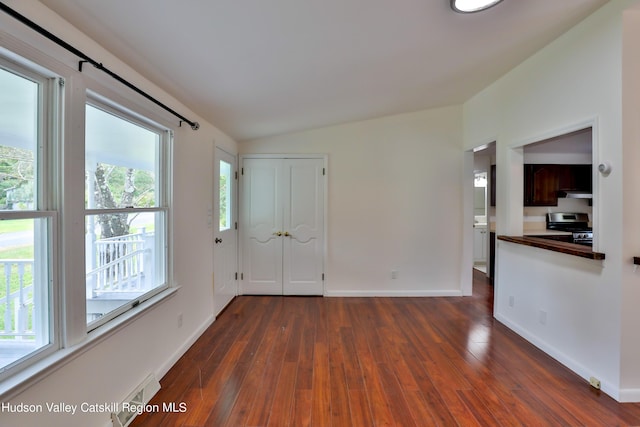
x,y
126,211
48,265
27,218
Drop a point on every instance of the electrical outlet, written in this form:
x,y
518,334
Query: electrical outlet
x,y
394,274
595,383
512,301
180,320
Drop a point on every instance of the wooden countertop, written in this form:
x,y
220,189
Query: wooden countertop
x,y
553,245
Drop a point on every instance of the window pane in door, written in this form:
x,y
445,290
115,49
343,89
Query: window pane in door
x,y
225,195
18,141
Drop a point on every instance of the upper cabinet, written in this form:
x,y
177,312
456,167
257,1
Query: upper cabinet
x,y
541,185
543,181
575,177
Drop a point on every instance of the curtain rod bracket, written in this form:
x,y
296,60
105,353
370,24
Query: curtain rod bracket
x,y
194,125
97,65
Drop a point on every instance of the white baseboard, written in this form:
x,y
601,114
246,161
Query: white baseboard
x,y
561,357
184,347
629,395
396,293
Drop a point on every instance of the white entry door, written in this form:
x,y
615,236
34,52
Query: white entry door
x,y
225,251
282,226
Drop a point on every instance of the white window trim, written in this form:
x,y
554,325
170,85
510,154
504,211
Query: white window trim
x,y
46,170
96,100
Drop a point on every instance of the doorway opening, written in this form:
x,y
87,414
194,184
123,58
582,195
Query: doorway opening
x,y
484,208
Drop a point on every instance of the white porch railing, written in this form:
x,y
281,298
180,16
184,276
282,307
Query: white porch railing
x,y
124,270
121,264
17,304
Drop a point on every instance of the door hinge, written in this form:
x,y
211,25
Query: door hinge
x,y
236,225
323,277
236,174
242,171
241,276
323,171
236,276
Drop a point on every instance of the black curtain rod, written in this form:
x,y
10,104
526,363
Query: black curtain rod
x,y
98,65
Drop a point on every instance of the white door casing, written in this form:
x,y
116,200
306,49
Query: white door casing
x,y
225,251
282,226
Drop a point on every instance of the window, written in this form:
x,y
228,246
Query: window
x,y
27,218
225,195
124,202
126,211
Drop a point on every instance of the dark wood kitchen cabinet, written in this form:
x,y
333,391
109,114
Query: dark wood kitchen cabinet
x,y
574,177
543,181
541,185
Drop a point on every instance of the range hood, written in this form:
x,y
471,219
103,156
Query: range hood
x,y
575,194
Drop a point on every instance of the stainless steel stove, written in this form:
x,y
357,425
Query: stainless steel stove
x,y
576,223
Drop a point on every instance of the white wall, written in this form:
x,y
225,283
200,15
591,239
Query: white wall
x,y
630,315
574,81
394,201
152,342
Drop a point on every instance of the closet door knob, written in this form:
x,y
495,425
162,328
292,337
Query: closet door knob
x,y
218,240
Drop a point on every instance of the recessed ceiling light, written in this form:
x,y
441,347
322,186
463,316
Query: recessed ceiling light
x,y
469,6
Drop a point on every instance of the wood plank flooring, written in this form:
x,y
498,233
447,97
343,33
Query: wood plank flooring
x,y
300,361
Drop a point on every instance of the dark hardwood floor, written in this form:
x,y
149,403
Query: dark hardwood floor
x,y
296,361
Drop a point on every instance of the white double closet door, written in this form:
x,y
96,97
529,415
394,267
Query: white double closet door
x,y
282,226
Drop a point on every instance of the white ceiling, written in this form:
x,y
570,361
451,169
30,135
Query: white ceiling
x,y
256,68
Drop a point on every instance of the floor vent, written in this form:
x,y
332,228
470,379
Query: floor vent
x,y
136,402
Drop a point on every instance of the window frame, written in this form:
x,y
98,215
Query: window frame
x,y
47,173
163,186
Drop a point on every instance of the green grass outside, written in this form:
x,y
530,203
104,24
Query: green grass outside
x,y
16,252
20,252
11,226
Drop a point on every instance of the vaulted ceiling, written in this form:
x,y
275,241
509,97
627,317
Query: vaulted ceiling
x,y
256,68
